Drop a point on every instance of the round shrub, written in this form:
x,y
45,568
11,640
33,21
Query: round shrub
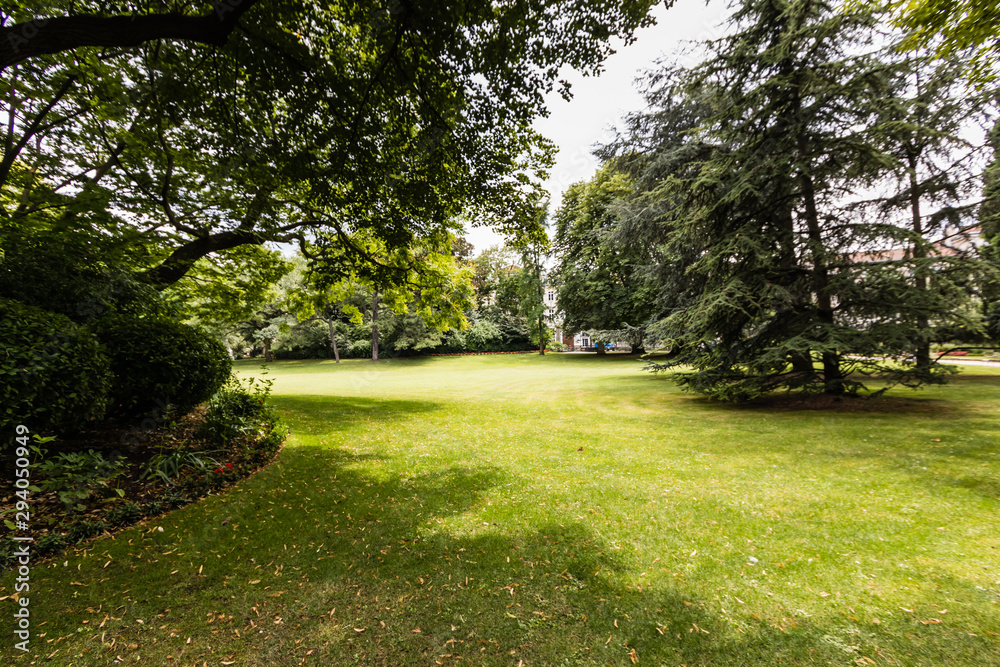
x,y
157,361
54,374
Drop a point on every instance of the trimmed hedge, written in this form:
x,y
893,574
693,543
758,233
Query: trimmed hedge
x,y
157,361
53,373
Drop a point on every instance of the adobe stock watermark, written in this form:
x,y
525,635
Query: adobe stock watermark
x,y
22,477
27,33
224,7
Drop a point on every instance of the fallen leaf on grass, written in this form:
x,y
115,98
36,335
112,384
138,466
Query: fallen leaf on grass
x,y
633,657
931,621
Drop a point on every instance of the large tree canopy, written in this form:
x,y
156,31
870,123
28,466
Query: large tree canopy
x,y
242,123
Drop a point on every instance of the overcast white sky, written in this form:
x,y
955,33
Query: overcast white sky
x,y
599,102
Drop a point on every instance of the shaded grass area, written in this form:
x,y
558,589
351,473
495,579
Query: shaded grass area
x,y
443,512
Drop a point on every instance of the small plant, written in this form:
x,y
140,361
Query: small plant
x,y
50,542
124,514
84,529
74,476
239,411
154,507
169,465
175,499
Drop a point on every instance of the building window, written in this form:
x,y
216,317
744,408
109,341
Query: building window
x,y
552,296
586,341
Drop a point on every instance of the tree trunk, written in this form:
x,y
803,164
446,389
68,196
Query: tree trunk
x,y
541,334
923,350
832,375
638,349
333,341
267,351
600,348
375,325
801,363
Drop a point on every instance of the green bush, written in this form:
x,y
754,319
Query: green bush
x,y
239,411
54,374
84,529
50,542
156,361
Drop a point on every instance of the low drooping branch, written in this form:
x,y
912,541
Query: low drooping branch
x,y
180,261
22,41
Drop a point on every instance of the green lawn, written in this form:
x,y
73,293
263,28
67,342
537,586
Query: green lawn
x,y
565,510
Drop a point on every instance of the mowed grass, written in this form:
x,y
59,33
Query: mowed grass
x,y
565,510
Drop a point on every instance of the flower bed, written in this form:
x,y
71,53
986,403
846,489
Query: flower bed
x,y
143,473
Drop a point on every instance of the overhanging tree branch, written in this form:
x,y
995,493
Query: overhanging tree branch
x,y
30,39
183,257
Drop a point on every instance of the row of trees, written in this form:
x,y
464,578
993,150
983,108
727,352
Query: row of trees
x,y
776,217
453,303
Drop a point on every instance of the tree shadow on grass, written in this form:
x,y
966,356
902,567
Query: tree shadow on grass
x,y
821,403
322,560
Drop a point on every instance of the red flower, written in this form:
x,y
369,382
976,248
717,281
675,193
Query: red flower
x,y
229,465
218,470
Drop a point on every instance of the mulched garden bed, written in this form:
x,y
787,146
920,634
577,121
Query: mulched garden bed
x,y
128,499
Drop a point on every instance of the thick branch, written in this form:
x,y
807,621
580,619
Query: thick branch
x,y
180,261
31,39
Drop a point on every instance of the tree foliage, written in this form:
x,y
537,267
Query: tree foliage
x,y
279,122
753,177
599,276
953,27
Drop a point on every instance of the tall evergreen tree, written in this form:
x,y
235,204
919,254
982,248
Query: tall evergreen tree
x,y
751,193
931,128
